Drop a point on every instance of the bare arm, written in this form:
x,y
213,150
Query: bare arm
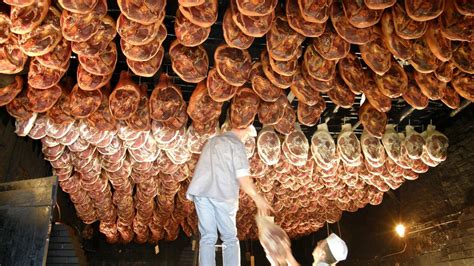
x,y
248,187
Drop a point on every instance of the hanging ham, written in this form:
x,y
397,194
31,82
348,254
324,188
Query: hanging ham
x,y
243,108
270,113
341,95
81,7
233,36
436,144
298,23
5,25
318,67
10,91
102,118
323,148
303,91
463,57
373,151
268,146
454,25
413,95
80,27
315,11
103,64
424,10
144,52
188,33
83,103
18,107
202,107
59,57
25,18
379,4
99,41
232,64
399,47
136,33
255,26
331,45
41,77
445,71
12,59
286,124
414,143
464,7
395,81
124,100
375,96
285,68
282,40
259,8
309,115
189,63
203,15
359,15
346,30
463,84
430,86
42,39
350,70
40,101
438,44
147,68
318,85
392,142
278,80
374,121
218,89
348,146
141,11
375,54
451,97
165,100
405,27
262,86
90,82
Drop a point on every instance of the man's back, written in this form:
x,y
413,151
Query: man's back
x,y
222,161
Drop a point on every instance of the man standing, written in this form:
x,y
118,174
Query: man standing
x,y
329,251
222,168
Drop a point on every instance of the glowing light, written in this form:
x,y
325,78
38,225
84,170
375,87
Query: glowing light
x,y
400,229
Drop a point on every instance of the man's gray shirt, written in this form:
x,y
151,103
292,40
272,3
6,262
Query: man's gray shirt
x,y
222,162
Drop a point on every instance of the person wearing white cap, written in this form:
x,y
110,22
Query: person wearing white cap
x,y
222,169
329,251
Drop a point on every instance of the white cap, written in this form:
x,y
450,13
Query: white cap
x,y
337,246
252,131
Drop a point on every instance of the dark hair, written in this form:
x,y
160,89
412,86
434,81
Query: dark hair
x,y
328,257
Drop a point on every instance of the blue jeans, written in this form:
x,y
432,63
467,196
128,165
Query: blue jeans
x,y
214,215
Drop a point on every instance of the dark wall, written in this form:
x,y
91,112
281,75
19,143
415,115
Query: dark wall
x,y
20,157
436,208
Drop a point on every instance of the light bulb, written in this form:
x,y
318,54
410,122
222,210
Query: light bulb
x,y
400,229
